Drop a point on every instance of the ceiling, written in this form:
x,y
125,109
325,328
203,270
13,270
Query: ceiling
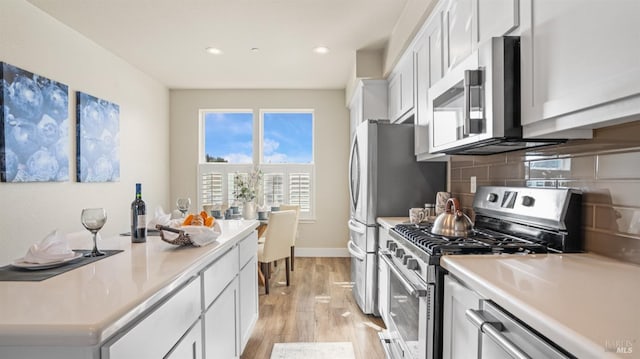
x,y
167,38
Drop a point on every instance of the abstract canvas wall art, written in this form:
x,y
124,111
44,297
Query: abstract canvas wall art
x,y
34,127
97,139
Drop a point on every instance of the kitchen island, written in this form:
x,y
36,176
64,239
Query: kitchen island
x,y
154,291
584,303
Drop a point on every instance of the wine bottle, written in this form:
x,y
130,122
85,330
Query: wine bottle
x,y
138,217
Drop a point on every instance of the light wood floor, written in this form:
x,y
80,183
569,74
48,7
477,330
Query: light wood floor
x,y
317,307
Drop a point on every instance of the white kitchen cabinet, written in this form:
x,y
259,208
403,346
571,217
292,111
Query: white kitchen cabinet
x,y
460,31
497,18
190,346
580,65
460,337
369,102
394,92
221,329
429,69
248,288
401,89
165,326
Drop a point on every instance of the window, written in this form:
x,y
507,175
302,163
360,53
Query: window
x,y
281,144
228,136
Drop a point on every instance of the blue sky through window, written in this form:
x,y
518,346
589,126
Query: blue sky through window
x,y
229,135
288,137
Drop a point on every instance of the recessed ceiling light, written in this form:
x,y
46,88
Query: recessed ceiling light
x,y
214,50
321,50
254,49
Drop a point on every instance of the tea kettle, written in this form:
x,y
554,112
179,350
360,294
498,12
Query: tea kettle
x,y
452,222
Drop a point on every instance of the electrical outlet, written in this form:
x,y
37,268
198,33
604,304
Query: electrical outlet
x,y
473,184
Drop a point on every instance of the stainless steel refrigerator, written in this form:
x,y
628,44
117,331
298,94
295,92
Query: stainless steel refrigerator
x,y
385,180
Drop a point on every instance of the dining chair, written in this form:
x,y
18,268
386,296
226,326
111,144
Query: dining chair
x,y
277,243
292,207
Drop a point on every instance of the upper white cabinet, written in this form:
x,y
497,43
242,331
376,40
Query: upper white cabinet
x,y
429,69
460,31
401,87
369,102
580,64
497,18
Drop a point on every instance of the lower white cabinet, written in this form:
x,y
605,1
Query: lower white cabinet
x,y
211,316
221,325
248,299
190,346
163,327
460,337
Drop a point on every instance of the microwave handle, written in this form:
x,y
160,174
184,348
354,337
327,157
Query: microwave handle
x,y
471,78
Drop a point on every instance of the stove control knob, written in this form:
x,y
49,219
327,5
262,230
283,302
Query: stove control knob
x,y
399,252
492,197
392,246
406,258
528,201
412,264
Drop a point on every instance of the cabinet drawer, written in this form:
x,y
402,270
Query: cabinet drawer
x,y
218,275
190,346
248,248
164,326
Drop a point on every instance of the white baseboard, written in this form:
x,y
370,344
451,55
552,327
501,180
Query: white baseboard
x,y
321,252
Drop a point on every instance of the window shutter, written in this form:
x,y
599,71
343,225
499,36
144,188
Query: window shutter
x,y
273,188
212,188
300,190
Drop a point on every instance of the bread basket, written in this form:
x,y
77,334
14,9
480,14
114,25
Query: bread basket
x,y
182,239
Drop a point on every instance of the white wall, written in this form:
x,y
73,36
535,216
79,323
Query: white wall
x,y
329,231
34,41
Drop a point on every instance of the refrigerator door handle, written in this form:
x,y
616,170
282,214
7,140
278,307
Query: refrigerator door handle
x,y
356,252
357,227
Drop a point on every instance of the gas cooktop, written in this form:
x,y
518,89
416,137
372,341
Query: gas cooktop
x,y
481,241
510,220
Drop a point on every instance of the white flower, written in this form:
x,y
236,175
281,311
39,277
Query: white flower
x,y
246,187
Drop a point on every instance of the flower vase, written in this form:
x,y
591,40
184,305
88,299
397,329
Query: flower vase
x,y
249,210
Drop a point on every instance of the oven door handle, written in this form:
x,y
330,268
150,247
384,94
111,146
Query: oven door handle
x,y
494,331
414,290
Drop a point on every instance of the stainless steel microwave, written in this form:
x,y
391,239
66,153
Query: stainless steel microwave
x,y
475,107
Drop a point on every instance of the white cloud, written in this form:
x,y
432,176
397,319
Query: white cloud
x,y
270,146
238,158
276,158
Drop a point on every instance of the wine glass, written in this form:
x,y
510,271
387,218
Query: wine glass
x,y
183,204
93,219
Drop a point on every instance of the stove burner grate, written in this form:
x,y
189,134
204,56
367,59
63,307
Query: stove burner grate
x,y
481,241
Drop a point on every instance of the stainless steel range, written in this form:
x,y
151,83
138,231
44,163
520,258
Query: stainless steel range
x,y
509,220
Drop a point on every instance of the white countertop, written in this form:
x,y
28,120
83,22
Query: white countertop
x,y
582,302
86,305
390,222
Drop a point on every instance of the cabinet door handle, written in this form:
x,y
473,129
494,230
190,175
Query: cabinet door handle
x,y
494,331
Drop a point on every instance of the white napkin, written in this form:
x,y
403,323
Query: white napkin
x,y
53,248
160,218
